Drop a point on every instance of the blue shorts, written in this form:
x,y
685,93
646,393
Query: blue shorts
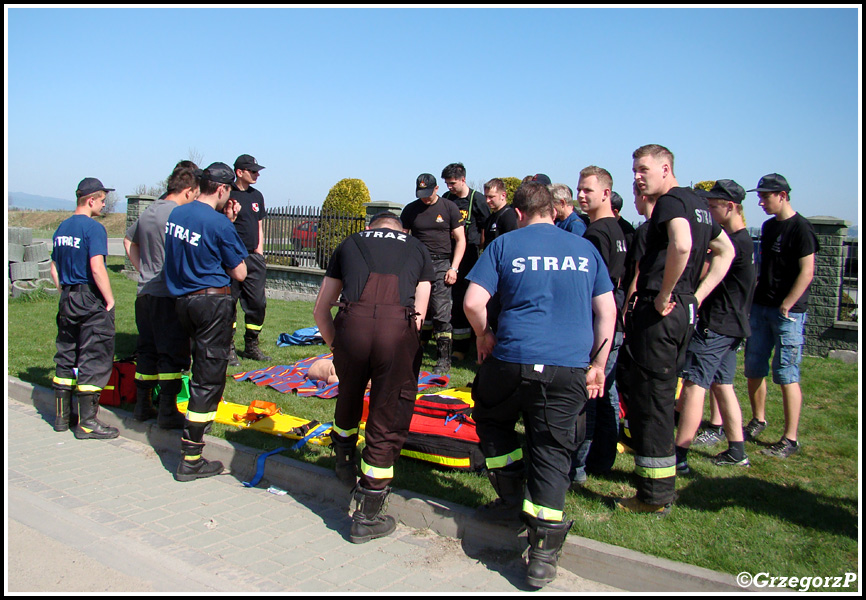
x,y
770,330
711,358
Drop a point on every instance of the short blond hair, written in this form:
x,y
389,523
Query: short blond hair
x,y
603,176
656,151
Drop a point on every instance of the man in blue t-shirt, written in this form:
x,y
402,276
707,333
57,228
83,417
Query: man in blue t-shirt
x,y
547,280
203,253
85,315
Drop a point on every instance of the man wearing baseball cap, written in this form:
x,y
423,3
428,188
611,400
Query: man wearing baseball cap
x,y
85,314
251,291
711,359
788,248
203,254
435,221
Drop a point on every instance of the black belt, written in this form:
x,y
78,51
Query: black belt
x,y
440,256
79,287
212,291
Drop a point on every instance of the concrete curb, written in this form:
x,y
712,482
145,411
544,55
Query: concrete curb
x,y
597,561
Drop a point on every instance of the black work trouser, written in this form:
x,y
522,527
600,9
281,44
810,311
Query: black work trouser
x,y
162,350
550,401
251,292
461,329
654,353
85,339
207,321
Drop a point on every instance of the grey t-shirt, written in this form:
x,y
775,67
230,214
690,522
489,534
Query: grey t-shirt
x,y
149,233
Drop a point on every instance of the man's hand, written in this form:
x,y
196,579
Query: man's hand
x,y
664,306
484,344
451,276
595,382
231,209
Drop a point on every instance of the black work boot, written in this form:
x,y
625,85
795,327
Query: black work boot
x,y
368,522
88,427
443,356
506,508
169,417
144,409
233,357
545,546
63,407
199,468
347,467
251,347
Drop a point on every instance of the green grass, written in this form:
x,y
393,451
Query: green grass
x,y
797,517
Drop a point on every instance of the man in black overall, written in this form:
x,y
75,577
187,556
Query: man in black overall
x,y
385,277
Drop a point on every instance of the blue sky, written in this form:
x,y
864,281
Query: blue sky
x,y
317,95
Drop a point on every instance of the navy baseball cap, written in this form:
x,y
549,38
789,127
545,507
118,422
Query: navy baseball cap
x,y
89,185
245,162
726,189
425,185
772,183
541,178
219,173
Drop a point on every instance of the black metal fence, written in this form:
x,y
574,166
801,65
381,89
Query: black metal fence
x,y
300,236
850,283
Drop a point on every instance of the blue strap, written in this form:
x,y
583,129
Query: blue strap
x,y
260,461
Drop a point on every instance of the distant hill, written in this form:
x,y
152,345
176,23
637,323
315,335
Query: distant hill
x,y
32,202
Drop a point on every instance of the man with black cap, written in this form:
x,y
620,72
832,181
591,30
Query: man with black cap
x,y
203,253
251,291
657,334
475,213
435,221
384,277
711,359
788,248
85,315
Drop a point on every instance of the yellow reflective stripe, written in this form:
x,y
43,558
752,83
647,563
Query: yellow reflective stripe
x,y
144,377
655,472
376,472
89,388
542,512
194,417
443,335
254,327
447,461
191,458
62,381
497,462
344,432
169,376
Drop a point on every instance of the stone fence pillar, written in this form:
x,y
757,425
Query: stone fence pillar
x,y
135,205
823,331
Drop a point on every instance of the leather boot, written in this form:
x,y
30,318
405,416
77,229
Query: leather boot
x,y
169,417
251,347
443,356
144,409
368,522
63,407
192,465
506,508
545,546
347,467
88,427
233,357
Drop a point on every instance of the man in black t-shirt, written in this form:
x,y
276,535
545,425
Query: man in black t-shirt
x,y
788,248
597,452
435,221
383,276
711,360
627,228
251,291
669,291
475,213
502,217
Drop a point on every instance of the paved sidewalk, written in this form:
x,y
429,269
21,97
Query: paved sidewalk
x,y
92,515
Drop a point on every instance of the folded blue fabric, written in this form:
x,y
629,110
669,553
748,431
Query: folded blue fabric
x,y
302,337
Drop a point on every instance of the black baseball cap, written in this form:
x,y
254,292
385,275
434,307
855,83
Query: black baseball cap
x,y
726,189
219,173
425,185
246,162
615,201
89,185
541,178
772,183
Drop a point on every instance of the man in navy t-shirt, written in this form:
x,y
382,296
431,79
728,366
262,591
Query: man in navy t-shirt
x,y
548,280
85,316
203,254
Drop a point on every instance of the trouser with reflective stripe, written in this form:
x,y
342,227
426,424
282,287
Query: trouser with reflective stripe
x,y
655,347
376,340
163,351
251,292
439,308
550,400
85,339
207,321
461,330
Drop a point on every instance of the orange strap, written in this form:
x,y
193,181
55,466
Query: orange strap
x,y
268,409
